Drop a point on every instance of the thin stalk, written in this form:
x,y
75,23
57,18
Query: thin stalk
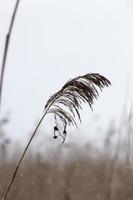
x,y
6,48
25,150
21,159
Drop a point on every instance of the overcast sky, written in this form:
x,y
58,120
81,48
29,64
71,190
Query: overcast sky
x,y
54,40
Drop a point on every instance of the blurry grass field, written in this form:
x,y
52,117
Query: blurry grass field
x,y
73,172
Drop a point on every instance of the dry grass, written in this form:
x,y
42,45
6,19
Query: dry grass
x,y
81,178
71,96
83,173
73,93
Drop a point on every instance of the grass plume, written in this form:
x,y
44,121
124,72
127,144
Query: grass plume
x,y
73,93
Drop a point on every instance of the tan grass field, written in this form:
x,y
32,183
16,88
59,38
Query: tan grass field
x,y
84,173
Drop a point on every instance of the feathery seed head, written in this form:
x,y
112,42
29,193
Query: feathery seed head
x,y
67,102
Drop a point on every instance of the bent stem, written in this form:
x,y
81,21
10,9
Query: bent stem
x,y
21,159
82,88
6,47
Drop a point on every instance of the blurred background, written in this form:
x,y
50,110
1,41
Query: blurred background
x,y
54,41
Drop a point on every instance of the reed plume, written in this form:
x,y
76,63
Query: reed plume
x,y
65,105
67,102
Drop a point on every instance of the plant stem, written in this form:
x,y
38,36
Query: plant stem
x,y
24,152
6,48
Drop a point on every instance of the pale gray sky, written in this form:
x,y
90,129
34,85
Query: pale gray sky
x,y
54,40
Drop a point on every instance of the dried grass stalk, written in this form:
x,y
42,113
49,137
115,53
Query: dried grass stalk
x,y
6,48
72,94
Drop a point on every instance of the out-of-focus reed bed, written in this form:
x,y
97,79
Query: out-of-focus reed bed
x,y
73,172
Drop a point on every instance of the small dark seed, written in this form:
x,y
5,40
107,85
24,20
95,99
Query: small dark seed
x,y
65,132
56,128
55,137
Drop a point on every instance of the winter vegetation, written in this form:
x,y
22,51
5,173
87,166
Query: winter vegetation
x,y
71,171
67,171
